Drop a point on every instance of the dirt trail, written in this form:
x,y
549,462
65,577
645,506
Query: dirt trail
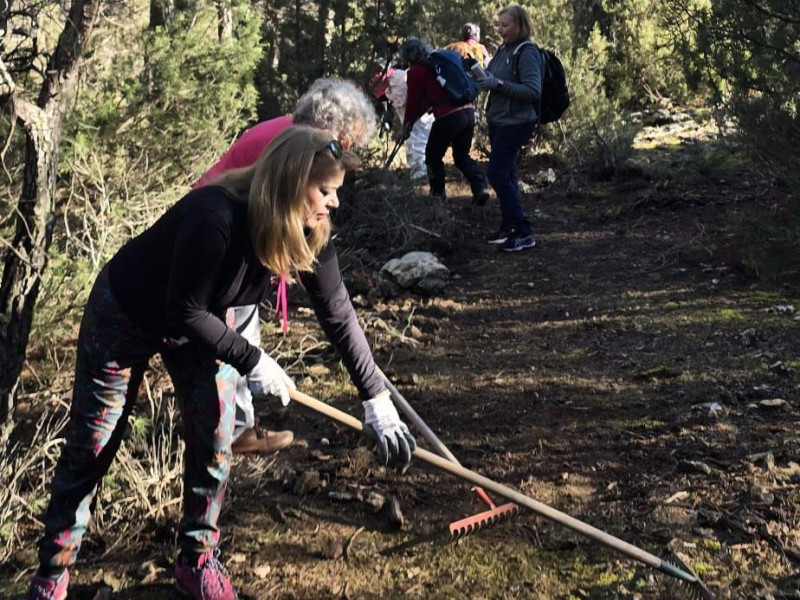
x,y
625,371
617,372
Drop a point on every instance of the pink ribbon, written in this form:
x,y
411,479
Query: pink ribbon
x,y
282,305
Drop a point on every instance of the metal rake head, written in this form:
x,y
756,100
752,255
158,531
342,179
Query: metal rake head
x,y
484,520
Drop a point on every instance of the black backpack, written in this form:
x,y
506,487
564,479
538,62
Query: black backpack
x,y
448,68
555,92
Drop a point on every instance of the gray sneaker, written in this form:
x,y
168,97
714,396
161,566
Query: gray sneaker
x,y
515,243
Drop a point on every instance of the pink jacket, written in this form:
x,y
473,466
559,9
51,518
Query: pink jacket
x,y
246,150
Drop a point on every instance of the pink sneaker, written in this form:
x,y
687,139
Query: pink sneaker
x,y
42,588
208,580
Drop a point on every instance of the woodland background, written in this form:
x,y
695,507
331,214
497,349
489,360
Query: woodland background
x,y
110,110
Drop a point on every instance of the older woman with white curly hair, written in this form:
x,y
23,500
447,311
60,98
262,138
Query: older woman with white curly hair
x,y
335,105
340,107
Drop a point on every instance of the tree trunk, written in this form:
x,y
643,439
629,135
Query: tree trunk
x,y
5,14
298,43
323,17
26,261
6,81
224,19
23,266
161,13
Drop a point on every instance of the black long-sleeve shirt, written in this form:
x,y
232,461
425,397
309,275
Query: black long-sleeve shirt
x,y
177,278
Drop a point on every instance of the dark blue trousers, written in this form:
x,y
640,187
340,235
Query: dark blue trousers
x,y
507,141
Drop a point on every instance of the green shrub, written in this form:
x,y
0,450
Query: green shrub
x,y
144,126
753,57
757,55
593,131
175,101
772,250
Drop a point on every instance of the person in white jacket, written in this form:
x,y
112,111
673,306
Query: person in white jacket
x,y
397,94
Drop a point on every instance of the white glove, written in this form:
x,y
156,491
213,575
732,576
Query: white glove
x,y
267,378
394,440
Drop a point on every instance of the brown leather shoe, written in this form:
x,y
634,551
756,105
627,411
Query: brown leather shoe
x,y
262,441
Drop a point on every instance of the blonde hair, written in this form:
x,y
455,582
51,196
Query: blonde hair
x,y
521,18
276,189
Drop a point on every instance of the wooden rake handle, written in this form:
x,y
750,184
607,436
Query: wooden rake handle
x,y
572,523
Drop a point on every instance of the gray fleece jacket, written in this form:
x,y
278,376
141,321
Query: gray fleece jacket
x,y
517,101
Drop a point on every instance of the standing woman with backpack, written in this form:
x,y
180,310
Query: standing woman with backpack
x,y
514,78
453,126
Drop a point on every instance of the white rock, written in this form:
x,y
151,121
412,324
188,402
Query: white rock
x,y
774,403
262,571
545,177
419,271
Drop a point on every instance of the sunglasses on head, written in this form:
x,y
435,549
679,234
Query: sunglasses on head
x,y
335,146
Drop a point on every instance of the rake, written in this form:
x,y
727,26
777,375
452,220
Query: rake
x,y
474,523
695,587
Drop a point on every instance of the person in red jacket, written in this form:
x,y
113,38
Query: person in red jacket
x,y
453,126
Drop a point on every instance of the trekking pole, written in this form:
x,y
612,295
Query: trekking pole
x,y
696,587
393,154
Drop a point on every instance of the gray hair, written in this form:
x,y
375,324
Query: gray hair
x,y
340,107
471,30
413,50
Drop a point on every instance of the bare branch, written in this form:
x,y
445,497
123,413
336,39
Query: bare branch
x,y
7,85
769,12
764,44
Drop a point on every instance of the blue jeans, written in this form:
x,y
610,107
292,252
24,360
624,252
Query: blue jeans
x,y
506,141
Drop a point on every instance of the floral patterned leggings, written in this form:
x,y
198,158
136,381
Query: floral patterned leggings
x,y
112,357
